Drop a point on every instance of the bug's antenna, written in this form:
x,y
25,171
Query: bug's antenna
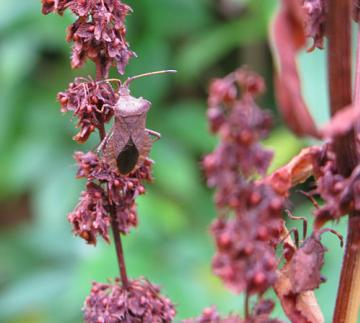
x,y
110,80
132,78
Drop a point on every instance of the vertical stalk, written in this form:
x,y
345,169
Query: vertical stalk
x,y
247,305
339,73
114,225
339,69
348,298
119,252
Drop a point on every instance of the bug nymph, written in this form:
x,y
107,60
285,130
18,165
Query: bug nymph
x,y
128,143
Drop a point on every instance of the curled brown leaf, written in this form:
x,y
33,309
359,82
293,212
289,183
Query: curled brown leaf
x,y
288,39
298,307
297,171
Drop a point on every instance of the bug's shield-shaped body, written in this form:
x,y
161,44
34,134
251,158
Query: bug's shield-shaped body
x,y
130,142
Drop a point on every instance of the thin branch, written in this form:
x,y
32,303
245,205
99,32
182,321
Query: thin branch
x,y
119,252
339,67
116,233
339,70
247,305
348,298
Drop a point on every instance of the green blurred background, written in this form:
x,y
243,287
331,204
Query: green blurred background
x,y
46,272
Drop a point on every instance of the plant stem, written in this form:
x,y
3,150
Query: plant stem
x,y
247,305
339,68
348,298
99,72
119,252
116,233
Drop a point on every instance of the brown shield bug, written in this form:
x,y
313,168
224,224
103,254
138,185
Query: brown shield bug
x,y
306,263
128,143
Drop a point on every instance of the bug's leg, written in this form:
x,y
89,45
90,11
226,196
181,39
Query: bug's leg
x,y
102,108
310,197
105,141
298,218
153,133
341,238
288,234
150,160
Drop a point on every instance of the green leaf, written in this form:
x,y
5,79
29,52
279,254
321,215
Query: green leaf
x,y
179,116
33,293
175,172
285,146
206,49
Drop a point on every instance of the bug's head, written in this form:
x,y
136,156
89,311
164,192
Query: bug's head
x,y
128,106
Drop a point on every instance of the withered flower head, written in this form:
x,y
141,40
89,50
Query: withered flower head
x,y
315,19
260,314
340,194
140,302
242,261
98,33
211,315
91,216
91,103
250,222
235,117
107,192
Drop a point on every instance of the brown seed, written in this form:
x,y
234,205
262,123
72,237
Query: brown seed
x,y
249,249
259,278
246,137
64,100
85,235
255,198
262,233
224,241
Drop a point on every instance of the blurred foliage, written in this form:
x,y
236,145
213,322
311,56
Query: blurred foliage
x,y
45,272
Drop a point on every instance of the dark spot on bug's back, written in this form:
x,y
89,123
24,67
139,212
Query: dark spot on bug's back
x,y
128,157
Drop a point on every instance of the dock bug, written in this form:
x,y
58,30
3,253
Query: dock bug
x,y
128,143
307,261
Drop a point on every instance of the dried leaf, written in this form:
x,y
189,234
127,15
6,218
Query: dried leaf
x,y
289,38
297,171
298,307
